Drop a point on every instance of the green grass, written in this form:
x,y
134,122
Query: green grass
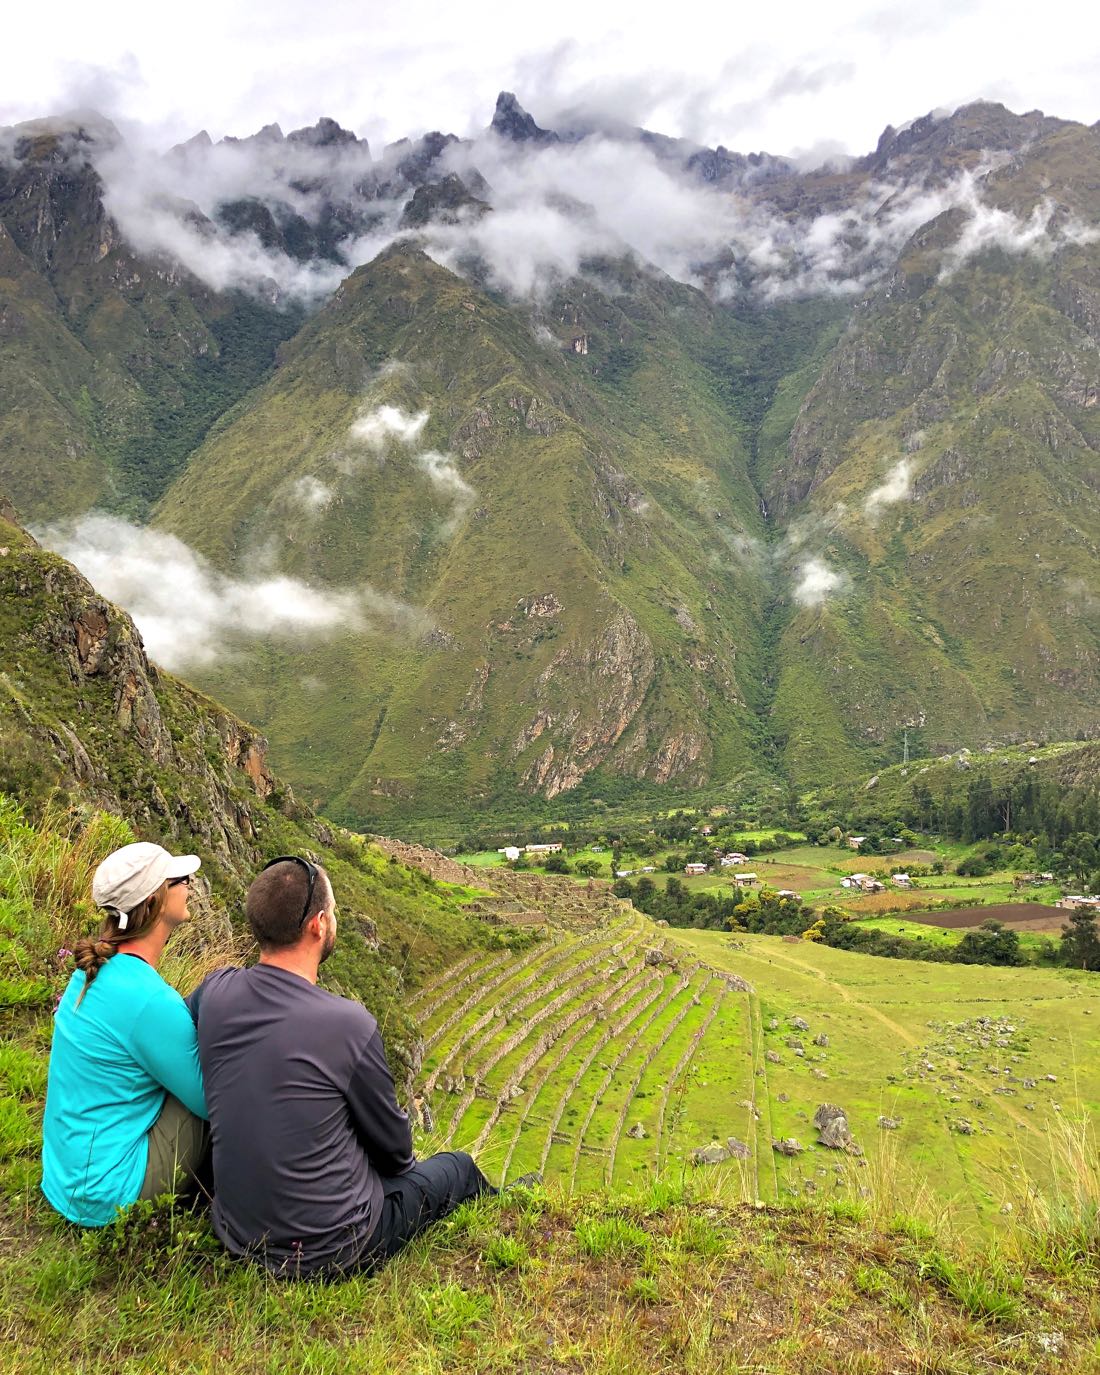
x,y
538,1281
689,1067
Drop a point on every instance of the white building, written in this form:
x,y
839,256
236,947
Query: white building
x,y
553,848
695,869
510,853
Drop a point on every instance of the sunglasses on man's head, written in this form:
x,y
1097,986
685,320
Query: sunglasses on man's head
x,y
311,870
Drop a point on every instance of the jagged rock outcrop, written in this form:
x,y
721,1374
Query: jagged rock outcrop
x,y
511,121
110,726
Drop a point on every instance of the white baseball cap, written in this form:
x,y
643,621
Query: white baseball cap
x,y
130,875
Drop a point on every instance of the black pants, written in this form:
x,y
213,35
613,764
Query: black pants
x,y
423,1195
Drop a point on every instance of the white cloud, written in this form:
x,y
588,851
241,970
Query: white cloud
x,y
311,494
190,615
444,475
986,227
377,427
817,582
896,486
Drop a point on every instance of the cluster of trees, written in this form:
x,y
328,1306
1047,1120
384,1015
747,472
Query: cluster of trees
x,y
767,913
990,943
730,910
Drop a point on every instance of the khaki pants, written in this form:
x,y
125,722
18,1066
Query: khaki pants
x,y
179,1144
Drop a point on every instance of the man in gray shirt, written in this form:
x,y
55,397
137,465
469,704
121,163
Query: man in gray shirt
x,y
314,1172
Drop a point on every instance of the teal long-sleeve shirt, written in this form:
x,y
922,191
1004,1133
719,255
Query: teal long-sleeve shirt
x,y
113,1058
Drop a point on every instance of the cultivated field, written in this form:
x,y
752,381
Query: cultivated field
x,y
580,1058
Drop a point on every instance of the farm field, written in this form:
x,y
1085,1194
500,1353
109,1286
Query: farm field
x,y
1021,916
1032,940
582,1058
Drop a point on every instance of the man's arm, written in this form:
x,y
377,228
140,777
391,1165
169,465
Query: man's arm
x,y
380,1124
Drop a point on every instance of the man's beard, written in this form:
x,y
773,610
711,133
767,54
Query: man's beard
x,y
328,947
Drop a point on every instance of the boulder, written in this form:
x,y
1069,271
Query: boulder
x,y
773,1057
821,1040
714,1154
790,1145
889,1124
799,1024
637,1132
833,1130
793,1043
773,1024
737,1149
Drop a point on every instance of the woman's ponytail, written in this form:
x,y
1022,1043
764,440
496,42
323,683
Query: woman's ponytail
x,y
91,953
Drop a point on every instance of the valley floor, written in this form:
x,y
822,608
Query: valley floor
x,y
600,1058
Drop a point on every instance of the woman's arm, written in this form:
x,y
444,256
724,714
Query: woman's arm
x,y
165,1044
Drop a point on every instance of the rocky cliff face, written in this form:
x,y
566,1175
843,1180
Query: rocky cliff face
x,y
82,707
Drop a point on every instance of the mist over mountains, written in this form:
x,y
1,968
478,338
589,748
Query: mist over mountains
x,y
560,458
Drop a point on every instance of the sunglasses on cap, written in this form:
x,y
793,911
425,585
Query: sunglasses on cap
x,y
311,871
175,882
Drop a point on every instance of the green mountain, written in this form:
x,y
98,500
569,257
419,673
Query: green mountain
x,y
112,364
971,611
811,468
593,597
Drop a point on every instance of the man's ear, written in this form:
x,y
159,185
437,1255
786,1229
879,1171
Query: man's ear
x,y
315,924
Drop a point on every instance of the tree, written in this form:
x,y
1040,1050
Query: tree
x,y
587,868
991,943
556,864
1081,940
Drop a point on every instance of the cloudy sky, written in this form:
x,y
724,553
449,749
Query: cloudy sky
x,y
785,77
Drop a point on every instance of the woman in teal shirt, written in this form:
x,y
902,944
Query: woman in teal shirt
x,y
125,1110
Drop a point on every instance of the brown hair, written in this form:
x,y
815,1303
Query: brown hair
x,y
91,953
273,905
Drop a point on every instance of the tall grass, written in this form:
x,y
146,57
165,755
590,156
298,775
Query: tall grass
x,y
46,868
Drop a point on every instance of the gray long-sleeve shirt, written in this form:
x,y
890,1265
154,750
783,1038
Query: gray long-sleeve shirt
x,y
303,1116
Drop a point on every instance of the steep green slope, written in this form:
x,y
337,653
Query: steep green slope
x,y
112,366
589,582
86,722
969,611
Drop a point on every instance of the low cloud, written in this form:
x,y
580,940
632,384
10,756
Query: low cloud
x,y
191,615
378,427
444,475
817,582
310,494
382,427
1043,231
897,486
556,208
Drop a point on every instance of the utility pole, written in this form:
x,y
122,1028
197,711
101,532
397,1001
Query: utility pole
x,y
905,748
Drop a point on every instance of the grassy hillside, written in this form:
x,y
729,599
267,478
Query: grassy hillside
x,y
880,1262
980,380
595,604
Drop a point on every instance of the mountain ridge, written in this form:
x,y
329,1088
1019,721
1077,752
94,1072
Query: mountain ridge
x,y
649,529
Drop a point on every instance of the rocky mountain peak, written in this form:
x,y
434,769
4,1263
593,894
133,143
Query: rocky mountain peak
x,y
982,126
326,133
511,121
